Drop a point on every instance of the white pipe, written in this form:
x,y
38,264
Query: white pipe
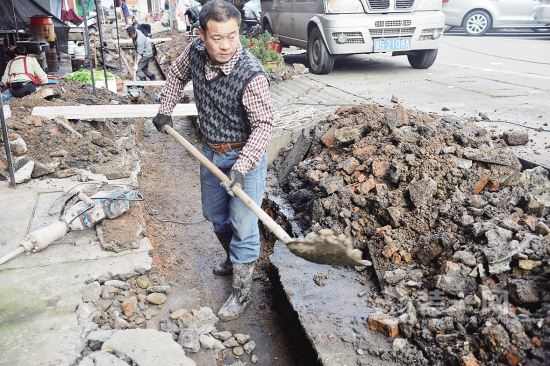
x,y
12,254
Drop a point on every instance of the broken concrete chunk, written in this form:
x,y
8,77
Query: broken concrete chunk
x,y
209,342
396,117
383,323
523,292
222,336
147,347
516,138
242,338
348,134
349,165
231,342
456,279
40,169
91,292
189,339
18,147
249,347
465,257
24,174
422,191
332,184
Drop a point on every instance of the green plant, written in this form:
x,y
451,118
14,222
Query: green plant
x,y
259,47
84,76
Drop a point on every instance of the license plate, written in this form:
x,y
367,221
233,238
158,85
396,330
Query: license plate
x,y
391,44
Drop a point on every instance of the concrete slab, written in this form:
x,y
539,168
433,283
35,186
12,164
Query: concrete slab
x,y
333,316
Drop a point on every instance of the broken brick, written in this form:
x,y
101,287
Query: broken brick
x,y
390,250
369,149
469,360
480,185
383,323
367,186
349,165
380,168
329,137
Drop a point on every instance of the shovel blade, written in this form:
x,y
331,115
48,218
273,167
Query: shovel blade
x,y
324,252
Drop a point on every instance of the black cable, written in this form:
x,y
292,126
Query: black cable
x,y
540,129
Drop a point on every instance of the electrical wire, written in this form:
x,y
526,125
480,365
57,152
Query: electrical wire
x,y
540,129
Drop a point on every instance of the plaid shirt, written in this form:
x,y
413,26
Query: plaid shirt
x,y
256,102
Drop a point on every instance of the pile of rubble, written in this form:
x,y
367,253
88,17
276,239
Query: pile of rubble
x,y
458,233
60,148
136,302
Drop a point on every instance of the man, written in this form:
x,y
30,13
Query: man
x,y
236,117
124,11
144,51
23,74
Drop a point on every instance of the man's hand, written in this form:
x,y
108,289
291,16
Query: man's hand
x,y
236,178
162,120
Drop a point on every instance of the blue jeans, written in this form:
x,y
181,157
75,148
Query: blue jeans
x,y
229,214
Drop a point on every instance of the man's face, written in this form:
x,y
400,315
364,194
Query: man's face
x,y
221,40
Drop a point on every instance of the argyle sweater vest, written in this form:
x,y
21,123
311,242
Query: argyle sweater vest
x,y
222,117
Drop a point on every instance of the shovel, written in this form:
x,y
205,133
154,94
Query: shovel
x,y
323,247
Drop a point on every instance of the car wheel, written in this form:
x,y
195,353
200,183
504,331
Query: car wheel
x,y
477,23
267,27
319,58
422,59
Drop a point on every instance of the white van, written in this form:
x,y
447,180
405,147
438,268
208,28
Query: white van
x,y
328,28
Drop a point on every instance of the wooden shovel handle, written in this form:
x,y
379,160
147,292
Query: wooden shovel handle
x,y
275,228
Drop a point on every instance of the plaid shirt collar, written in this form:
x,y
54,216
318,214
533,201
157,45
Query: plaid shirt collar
x,y
227,67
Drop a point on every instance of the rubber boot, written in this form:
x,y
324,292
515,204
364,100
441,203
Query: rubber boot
x,y
236,304
225,267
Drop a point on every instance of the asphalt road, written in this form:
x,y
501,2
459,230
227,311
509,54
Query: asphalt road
x,y
505,76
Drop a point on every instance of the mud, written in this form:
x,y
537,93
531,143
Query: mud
x,y
449,219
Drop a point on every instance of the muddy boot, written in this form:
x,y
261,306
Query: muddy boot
x,y
235,306
225,267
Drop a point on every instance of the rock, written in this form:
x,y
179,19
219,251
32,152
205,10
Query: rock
x,y
209,342
396,117
456,279
523,292
495,337
444,324
147,347
162,289
360,351
332,183
102,358
249,347
394,99
242,338
348,134
465,257
41,170
24,174
122,233
188,320
129,306
422,191
189,340
516,138
156,298
329,137
206,320
143,281
238,351
395,276
222,336
108,292
87,176
349,165
380,168
367,186
149,313
231,342
528,264
118,284
178,313
399,344
18,147
385,324
542,229
91,292
96,338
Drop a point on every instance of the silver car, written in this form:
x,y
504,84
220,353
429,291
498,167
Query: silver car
x,y
333,28
479,16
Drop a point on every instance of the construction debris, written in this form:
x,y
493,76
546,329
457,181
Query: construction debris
x,y
450,221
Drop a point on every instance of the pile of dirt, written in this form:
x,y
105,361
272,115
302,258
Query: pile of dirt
x,y
167,52
457,231
59,147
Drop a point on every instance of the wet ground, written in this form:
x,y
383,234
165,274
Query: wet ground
x,y
186,249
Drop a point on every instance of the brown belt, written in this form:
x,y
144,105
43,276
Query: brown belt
x,y
223,148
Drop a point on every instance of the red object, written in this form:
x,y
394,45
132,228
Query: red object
x,y
274,46
445,1
251,44
34,79
40,20
71,16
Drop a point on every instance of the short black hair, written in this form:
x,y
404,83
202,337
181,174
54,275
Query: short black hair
x,y
131,30
219,11
20,50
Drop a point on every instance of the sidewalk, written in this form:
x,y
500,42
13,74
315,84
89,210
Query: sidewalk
x,y
40,294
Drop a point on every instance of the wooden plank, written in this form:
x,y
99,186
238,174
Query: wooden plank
x,y
188,87
126,41
111,111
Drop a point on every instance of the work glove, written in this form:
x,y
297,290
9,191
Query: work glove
x,y
162,120
236,179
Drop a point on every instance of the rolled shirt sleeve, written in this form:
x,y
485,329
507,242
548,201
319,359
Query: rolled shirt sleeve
x,y
178,76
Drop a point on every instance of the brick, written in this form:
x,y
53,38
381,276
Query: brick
x,y
380,168
362,150
329,137
383,323
367,186
390,250
480,185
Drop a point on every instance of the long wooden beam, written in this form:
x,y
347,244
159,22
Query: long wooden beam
x,y
188,87
126,41
111,111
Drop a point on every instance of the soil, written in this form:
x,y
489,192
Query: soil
x,y
186,249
